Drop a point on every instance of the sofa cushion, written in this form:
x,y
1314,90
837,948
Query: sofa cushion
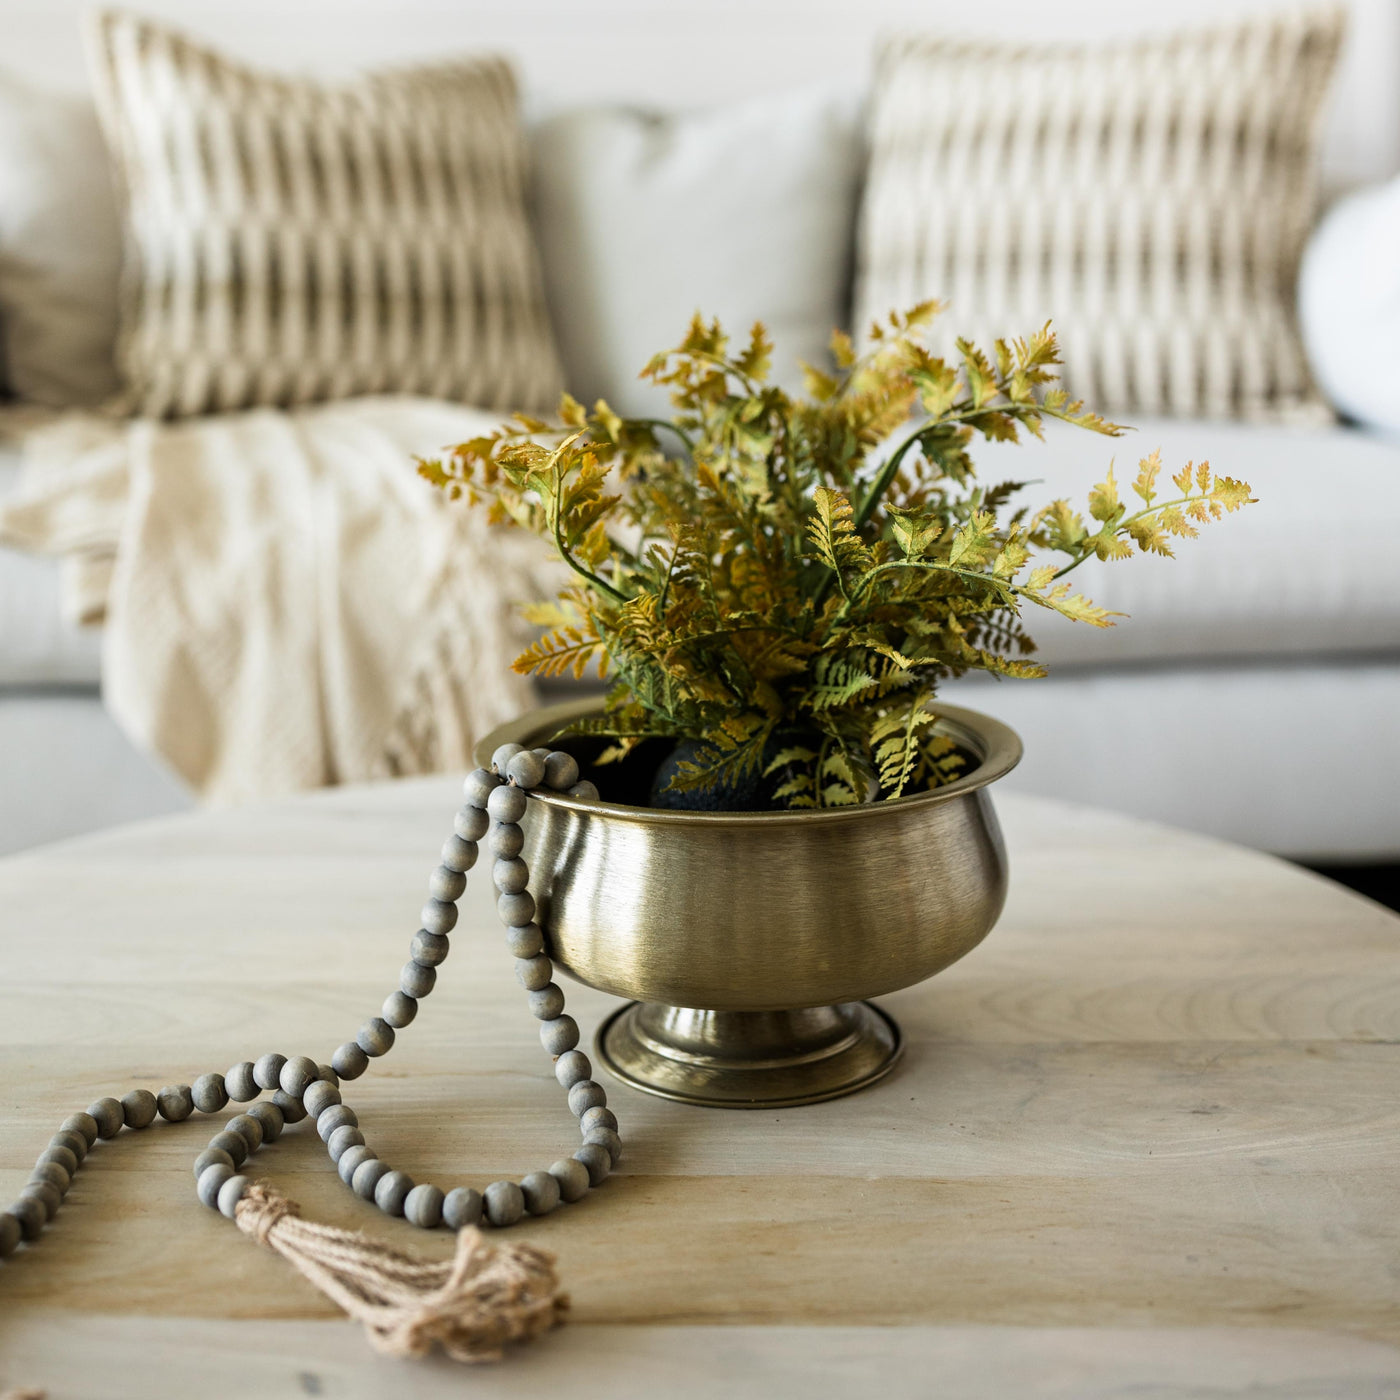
x,y
60,249
289,242
744,212
1150,196
1311,569
39,645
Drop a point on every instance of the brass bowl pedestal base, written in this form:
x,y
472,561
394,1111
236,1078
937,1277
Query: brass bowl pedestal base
x,y
749,1059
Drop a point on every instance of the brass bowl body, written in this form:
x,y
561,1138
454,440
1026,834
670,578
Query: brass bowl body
x,y
763,912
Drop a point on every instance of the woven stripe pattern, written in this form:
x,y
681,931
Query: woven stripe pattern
x,y
288,242
1150,197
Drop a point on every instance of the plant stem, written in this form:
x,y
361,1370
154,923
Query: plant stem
x,y
670,427
557,524
881,484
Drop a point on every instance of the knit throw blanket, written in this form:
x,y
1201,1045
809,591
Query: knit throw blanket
x,y
286,603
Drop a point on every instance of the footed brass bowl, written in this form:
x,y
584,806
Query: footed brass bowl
x,y
748,941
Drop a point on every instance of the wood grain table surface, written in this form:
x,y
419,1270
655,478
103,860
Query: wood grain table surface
x,y
1145,1140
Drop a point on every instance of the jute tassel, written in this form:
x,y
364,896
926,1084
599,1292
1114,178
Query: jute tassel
x,y
471,1306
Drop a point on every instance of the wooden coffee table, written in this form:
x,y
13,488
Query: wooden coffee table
x,y
1145,1140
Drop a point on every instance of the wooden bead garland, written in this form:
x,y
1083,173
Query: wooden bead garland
x,y
496,799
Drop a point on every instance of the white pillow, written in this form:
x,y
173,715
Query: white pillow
x,y
1349,306
60,249
744,212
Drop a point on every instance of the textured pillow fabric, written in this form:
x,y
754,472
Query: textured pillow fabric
x,y
745,212
1151,197
60,250
1349,304
289,242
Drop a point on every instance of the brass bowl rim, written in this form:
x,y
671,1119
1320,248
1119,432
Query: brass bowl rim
x,y
997,745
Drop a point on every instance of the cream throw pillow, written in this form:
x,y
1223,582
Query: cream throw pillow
x,y
1151,197
60,249
288,242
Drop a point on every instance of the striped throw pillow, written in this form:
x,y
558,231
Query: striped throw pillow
x,y
288,242
1151,197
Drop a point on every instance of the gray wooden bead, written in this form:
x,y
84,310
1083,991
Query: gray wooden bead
x,y
139,1108
175,1102
293,1110
74,1141
526,941
10,1234
349,1061
560,771
367,1177
376,1037
54,1173
235,1144
478,786
541,1192
605,1137
328,1074
507,804
209,1093
65,1157
501,758
239,1082
471,823
597,1159
503,1203
447,884
584,791
83,1123
392,1191
515,909
267,1071
333,1116
209,1182
457,855
461,1207
438,916
298,1075
547,1002
586,1094
423,1206
230,1193
319,1096
107,1114
534,973
416,980
342,1140
351,1159
46,1193
269,1118
598,1117
31,1215
510,875
248,1128
507,839
559,1035
572,1069
210,1157
399,1009
526,770
430,949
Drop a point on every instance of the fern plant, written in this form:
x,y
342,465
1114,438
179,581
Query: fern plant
x,y
781,584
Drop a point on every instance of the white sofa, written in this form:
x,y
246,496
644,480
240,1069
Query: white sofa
x,y
1255,691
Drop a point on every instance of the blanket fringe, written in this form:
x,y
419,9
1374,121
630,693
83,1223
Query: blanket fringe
x,y
472,1306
